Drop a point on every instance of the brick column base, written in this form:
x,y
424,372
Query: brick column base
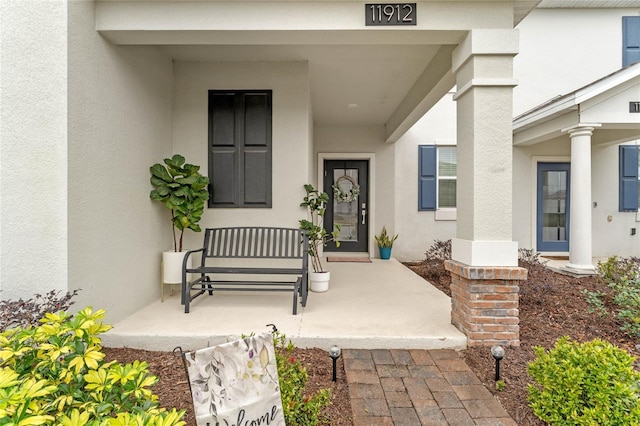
x,y
484,303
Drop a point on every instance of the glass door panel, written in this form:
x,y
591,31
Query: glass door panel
x,y
553,207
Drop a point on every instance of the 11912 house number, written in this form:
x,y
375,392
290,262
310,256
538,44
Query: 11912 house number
x,y
390,13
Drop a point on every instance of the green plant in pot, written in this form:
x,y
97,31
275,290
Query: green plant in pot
x,y
315,202
385,243
183,190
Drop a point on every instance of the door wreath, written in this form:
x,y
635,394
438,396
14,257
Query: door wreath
x,y
340,194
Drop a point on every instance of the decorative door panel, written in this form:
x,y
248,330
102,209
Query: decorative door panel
x,y
346,182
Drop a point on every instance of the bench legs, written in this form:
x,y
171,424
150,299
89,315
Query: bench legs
x,y
299,289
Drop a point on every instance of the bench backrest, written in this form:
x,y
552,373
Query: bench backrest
x,y
256,242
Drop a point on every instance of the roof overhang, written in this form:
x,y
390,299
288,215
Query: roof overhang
x,y
359,75
606,103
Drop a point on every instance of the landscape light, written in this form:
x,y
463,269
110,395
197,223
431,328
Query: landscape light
x,y
334,353
498,353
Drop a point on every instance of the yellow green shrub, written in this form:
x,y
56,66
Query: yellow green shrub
x,y
55,373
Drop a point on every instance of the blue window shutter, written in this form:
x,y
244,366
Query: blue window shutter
x,y
630,40
628,197
427,178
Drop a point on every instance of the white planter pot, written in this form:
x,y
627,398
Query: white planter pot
x,y
319,281
172,266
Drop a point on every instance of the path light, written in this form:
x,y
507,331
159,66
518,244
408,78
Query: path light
x,y
334,353
498,353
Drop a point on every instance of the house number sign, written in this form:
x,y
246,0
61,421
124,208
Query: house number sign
x,y
390,14
634,106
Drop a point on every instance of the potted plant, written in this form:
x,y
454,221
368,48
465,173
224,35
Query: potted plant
x,y
315,202
385,243
183,190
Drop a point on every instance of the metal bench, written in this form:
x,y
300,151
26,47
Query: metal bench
x,y
251,245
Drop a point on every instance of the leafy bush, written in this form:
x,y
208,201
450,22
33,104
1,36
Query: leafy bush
x,y
56,372
622,276
22,313
617,269
299,407
529,256
439,250
590,383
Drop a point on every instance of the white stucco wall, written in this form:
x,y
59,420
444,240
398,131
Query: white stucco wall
x,y
565,49
419,229
120,123
611,228
33,149
289,82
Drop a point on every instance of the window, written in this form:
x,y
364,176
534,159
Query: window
x,y
447,171
630,40
629,187
240,148
437,177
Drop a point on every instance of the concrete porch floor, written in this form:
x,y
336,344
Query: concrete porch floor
x,y
377,305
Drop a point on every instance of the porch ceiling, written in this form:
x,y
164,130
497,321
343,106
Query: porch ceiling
x,y
387,76
350,84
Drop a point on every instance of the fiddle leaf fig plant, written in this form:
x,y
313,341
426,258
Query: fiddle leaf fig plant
x,y
183,190
315,202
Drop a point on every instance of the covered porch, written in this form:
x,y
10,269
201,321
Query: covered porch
x,y
587,130
381,304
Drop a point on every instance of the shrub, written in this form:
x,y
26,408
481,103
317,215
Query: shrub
x,y
617,269
299,407
529,256
439,250
56,372
590,383
22,313
622,276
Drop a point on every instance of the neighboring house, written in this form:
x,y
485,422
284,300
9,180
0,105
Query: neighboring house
x,y
268,96
562,84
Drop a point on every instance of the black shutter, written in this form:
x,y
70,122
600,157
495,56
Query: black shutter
x,y
240,148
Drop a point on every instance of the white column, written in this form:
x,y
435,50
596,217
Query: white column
x,y
580,249
482,64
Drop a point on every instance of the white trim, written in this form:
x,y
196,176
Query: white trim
x,y
371,157
534,195
484,253
446,214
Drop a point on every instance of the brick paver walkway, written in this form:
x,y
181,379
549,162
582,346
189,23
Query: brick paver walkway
x,y
418,387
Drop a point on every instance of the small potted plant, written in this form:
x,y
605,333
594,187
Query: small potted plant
x,y
385,243
315,202
183,190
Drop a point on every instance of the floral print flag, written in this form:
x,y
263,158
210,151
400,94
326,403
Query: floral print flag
x,y
236,383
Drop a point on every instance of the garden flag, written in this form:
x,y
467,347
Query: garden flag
x,y
236,383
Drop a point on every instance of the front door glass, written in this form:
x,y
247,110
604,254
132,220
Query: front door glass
x,y
553,207
345,203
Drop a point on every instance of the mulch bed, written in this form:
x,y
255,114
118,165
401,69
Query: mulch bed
x,y
551,306
173,389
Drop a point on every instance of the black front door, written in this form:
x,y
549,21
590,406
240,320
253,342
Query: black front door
x,y
346,182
